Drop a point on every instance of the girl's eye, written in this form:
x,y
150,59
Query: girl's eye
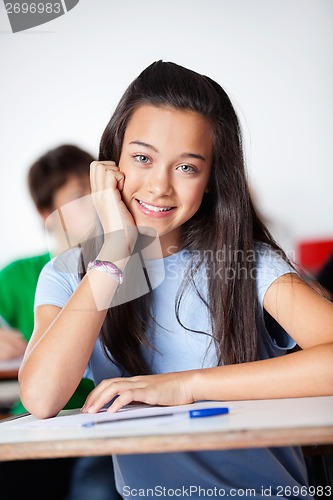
x,y
141,158
187,169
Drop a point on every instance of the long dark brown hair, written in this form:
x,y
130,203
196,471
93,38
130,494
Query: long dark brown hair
x,y
226,220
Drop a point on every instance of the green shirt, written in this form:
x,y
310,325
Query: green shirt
x,y
18,281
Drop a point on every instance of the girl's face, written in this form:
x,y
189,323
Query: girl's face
x,y
166,158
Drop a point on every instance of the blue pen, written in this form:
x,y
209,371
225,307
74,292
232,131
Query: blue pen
x,y
204,412
208,412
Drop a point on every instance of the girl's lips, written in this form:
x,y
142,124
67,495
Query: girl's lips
x,y
154,210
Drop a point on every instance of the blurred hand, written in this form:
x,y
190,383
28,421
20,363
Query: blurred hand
x,y
12,344
165,390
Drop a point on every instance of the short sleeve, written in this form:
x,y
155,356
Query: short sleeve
x,y
58,280
269,267
275,341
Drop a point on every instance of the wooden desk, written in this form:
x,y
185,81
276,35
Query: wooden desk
x,y
251,424
9,387
9,392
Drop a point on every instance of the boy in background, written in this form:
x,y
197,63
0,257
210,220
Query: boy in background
x,y
57,178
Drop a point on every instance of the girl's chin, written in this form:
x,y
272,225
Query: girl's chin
x,y
148,231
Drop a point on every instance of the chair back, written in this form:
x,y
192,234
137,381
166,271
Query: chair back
x,y
313,254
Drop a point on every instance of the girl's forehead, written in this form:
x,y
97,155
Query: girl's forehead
x,y
161,125
151,112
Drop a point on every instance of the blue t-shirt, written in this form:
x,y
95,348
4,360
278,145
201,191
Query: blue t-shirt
x,y
179,346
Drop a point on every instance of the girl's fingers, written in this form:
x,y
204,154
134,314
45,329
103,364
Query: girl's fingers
x,y
101,173
120,179
94,396
96,166
128,397
106,176
160,389
105,392
108,181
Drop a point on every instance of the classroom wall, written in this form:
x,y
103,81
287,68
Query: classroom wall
x,y
61,81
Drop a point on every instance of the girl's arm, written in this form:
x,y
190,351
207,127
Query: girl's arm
x,y
301,311
308,318
60,347
63,339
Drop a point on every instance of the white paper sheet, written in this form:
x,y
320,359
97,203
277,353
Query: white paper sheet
x,y
78,419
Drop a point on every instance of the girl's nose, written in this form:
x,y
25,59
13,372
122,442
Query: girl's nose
x,y
159,182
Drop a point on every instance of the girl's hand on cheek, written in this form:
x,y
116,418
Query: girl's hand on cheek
x,y
168,389
107,182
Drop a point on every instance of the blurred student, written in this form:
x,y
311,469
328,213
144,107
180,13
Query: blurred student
x,y
56,179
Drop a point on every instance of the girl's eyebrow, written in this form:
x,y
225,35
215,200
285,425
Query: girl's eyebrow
x,y
144,144
183,155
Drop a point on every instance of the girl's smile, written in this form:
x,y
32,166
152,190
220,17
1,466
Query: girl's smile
x,y
153,210
166,158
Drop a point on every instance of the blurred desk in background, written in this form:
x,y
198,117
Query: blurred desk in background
x,y
9,369
9,386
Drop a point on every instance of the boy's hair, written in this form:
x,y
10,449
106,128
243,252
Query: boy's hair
x,y
53,169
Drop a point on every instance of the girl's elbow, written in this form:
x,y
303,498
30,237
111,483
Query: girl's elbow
x,y
35,401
